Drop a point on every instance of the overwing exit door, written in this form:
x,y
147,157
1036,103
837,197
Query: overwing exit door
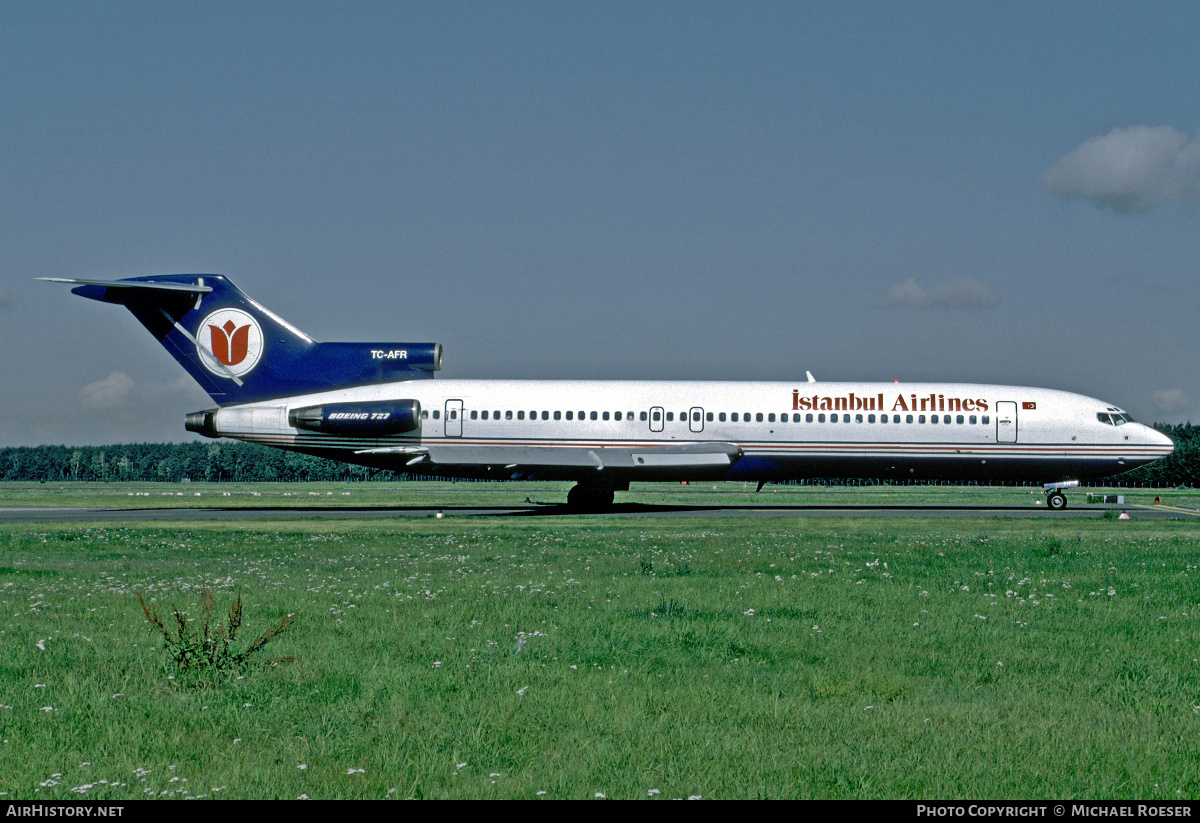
x,y
454,418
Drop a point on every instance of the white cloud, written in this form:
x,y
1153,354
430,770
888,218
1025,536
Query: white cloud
x,y
953,295
1169,401
1130,170
109,393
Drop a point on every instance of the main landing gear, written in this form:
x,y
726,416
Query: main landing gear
x,y
594,496
1055,499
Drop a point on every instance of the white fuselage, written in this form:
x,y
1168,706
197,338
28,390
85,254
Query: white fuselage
x,y
658,430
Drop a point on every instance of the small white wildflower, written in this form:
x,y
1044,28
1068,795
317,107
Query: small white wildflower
x,y
521,691
600,796
653,792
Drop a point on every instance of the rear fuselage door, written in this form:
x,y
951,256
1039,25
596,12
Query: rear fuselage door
x,y
1006,422
656,419
454,414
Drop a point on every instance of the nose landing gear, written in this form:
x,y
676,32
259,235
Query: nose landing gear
x,y
1055,499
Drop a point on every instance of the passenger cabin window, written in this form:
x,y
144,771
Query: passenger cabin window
x,y
475,415
570,415
709,416
605,415
642,416
437,413
592,416
908,419
808,418
820,418
721,417
521,415
972,419
670,417
858,418
545,415
558,415
986,419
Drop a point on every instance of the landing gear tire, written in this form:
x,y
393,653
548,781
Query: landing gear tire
x,y
1056,501
589,498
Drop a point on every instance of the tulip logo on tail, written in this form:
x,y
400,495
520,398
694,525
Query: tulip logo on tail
x,y
230,342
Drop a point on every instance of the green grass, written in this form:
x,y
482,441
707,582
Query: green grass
x,y
450,494
722,658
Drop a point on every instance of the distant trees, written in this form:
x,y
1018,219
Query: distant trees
x,y
234,461
224,461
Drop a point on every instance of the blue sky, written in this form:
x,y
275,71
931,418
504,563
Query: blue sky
x,y
956,191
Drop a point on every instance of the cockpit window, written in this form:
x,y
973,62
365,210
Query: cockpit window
x,y
1128,417
1104,418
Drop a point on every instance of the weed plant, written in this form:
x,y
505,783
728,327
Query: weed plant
x,y
209,646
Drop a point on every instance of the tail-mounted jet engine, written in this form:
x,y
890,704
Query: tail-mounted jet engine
x,y
359,419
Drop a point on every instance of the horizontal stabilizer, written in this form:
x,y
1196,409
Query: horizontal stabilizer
x,y
131,287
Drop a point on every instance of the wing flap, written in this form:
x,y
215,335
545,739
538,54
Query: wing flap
x,y
674,455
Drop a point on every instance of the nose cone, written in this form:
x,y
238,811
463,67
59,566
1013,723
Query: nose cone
x,y
1159,440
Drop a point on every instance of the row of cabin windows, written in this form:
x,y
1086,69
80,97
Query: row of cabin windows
x,y
721,417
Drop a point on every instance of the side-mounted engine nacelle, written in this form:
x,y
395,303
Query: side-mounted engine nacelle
x,y
359,419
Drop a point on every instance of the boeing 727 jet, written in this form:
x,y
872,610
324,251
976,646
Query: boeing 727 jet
x,y
376,404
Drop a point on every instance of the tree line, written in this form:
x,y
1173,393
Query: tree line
x,y
235,461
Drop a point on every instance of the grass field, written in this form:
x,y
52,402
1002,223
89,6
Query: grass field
x,y
490,657
449,494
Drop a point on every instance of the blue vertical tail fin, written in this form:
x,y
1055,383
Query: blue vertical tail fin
x,y
239,351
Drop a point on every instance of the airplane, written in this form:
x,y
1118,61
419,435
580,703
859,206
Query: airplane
x,y
376,405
